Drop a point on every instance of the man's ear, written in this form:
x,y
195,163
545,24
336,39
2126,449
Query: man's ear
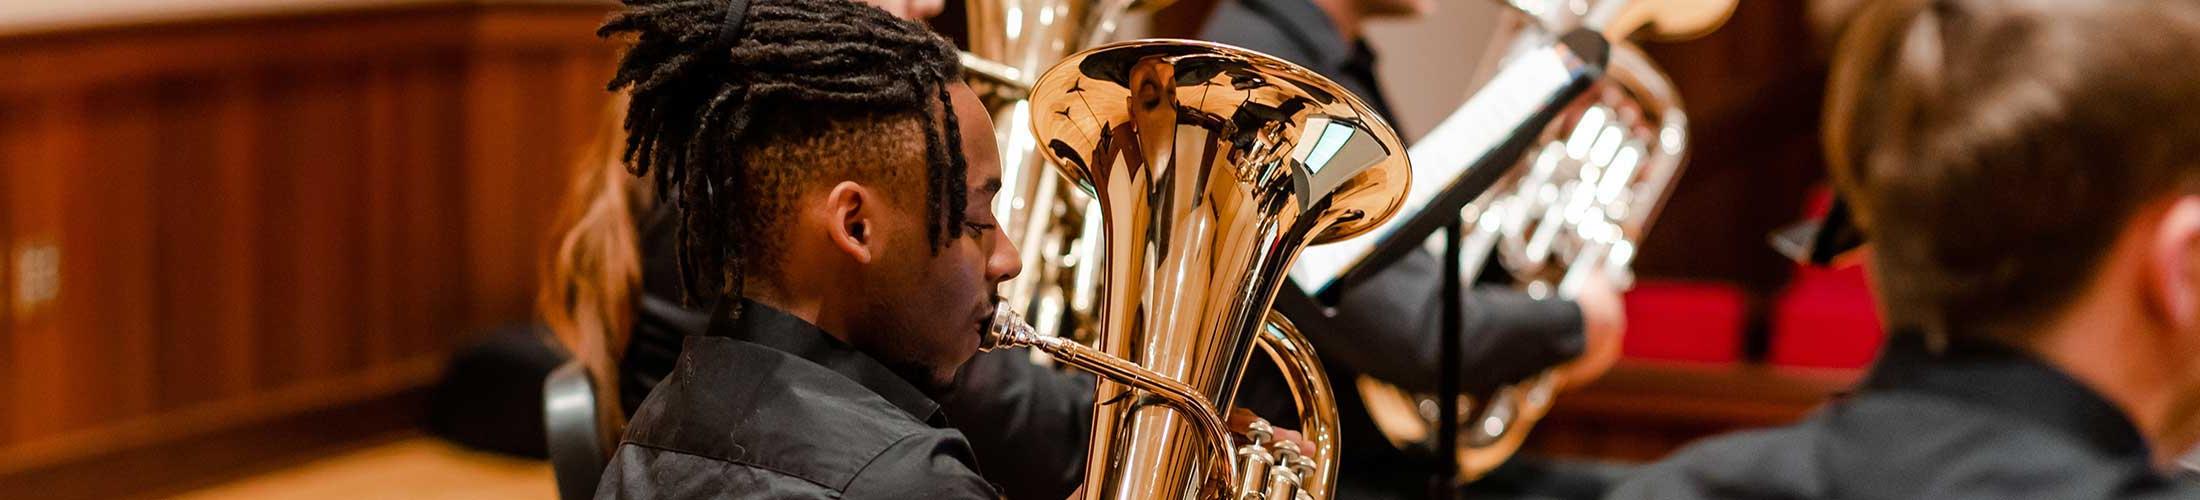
x,y
850,213
2175,258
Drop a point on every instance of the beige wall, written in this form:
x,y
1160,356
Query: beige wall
x,y
1427,65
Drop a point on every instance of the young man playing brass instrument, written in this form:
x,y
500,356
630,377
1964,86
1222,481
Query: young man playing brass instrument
x,y
2028,173
830,176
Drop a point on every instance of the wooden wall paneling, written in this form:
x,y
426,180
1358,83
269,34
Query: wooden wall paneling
x,y
432,227
1752,91
285,270
235,124
493,153
262,219
71,60
1644,410
47,134
586,103
8,275
529,66
189,287
347,157
381,157
113,204
537,175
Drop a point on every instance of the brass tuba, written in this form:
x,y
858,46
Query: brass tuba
x,y
1573,207
1011,41
1212,167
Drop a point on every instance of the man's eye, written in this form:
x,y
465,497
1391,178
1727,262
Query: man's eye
x,y
978,229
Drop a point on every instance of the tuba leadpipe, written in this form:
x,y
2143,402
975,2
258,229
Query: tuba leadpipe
x,y
1211,167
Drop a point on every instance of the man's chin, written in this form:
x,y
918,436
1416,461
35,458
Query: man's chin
x,y
932,381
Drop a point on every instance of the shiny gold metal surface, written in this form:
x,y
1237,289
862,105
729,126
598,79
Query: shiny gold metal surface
x,y
1317,403
1572,209
1211,167
1011,41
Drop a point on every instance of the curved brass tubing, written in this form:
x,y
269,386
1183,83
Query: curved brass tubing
x,y
1316,402
1010,331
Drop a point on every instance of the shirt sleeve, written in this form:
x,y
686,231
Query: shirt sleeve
x,y
931,465
1027,423
1388,327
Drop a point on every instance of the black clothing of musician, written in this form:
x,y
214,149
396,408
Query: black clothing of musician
x,y
1979,420
816,419
1387,327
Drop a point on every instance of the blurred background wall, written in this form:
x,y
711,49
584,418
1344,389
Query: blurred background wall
x,y
260,228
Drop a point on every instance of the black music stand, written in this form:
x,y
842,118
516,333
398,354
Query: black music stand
x,y
1587,52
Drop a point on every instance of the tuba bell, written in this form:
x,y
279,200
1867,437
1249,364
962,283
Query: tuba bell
x,y
1571,208
1212,167
1011,41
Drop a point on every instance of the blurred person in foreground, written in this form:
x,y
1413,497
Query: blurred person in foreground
x,y
2029,175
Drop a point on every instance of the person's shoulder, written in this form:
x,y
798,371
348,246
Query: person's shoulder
x,y
741,403
644,472
1898,445
934,464
1235,24
2186,487
1768,463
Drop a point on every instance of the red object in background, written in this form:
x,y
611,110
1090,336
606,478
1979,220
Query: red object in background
x,y
1685,321
1826,318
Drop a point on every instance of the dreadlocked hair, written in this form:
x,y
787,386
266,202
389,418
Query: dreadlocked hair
x,y
806,90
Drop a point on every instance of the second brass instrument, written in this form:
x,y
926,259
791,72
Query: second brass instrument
x,y
1212,166
1574,208
1011,41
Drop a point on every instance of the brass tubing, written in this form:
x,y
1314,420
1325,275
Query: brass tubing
x,y
1310,389
1010,331
997,73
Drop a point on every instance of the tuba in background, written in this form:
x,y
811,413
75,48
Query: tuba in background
x,y
1011,41
1573,207
1211,167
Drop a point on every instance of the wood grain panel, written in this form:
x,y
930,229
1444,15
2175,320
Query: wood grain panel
x,y
262,219
49,134
432,223
1752,90
1644,410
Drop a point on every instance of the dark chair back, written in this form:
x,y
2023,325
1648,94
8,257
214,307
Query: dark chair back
x,y
575,434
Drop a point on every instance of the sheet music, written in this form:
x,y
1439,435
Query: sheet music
x,y
1512,97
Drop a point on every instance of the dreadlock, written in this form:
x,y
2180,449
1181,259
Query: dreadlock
x,y
736,118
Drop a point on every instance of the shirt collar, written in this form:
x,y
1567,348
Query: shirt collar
x,y
772,328
2010,382
1310,28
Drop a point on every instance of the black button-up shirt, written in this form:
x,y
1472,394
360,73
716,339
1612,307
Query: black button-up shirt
x,y
1385,327
1980,421
1299,32
772,407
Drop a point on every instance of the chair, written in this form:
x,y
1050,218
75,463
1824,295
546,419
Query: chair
x,y
574,433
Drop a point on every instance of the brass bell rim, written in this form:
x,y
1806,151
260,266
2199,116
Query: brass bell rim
x,y
1396,169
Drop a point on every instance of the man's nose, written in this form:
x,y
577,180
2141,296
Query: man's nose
x,y
1005,263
